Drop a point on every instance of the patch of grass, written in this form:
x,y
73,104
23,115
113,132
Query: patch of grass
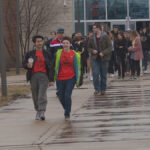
x,y
14,92
12,71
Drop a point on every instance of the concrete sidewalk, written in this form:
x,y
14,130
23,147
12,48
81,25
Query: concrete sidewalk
x,y
117,121
17,124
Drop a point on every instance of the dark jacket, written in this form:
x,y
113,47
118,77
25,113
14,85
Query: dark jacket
x,y
49,64
105,47
145,39
121,52
54,46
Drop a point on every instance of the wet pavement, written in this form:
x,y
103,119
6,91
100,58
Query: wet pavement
x,y
122,115
120,120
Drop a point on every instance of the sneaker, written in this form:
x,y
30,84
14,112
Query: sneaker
x,y
102,92
112,75
131,78
116,74
57,94
37,117
67,117
145,71
96,93
91,78
42,115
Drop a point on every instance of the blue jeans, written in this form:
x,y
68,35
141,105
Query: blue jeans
x,y
65,88
99,69
145,59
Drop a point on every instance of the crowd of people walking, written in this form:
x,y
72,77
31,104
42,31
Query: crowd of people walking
x,y
67,61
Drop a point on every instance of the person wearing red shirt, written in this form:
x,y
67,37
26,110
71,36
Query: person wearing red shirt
x,y
40,72
67,74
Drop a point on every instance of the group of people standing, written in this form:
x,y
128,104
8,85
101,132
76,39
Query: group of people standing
x,y
130,53
65,60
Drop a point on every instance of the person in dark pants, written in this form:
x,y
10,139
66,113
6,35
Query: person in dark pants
x,y
100,48
136,54
112,63
67,74
145,39
40,72
121,55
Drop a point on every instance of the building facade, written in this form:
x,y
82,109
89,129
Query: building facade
x,y
126,14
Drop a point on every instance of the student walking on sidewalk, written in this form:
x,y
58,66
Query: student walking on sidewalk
x,y
100,47
39,72
67,74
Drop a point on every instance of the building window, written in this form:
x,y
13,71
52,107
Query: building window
x,y
139,9
81,27
117,9
95,9
81,3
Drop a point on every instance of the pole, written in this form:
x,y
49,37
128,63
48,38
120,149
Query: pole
x,y
2,56
128,17
78,8
17,40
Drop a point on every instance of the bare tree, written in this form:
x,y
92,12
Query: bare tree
x,y
34,17
10,31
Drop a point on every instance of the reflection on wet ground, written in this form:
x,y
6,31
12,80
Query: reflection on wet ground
x,y
122,115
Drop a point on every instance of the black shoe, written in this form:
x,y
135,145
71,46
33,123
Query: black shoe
x,y
57,94
67,117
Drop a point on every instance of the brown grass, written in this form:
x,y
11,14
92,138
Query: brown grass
x,y
12,72
14,92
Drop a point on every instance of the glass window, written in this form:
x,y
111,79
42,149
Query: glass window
x,y
81,27
81,3
139,9
95,9
117,9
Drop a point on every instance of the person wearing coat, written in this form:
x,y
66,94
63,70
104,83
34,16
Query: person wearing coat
x,y
136,54
100,48
40,71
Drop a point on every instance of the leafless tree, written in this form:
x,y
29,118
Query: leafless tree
x,y
34,17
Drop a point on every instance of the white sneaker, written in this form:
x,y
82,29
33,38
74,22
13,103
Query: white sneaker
x,y
112,75
116,74
37,117
91,78
145,71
